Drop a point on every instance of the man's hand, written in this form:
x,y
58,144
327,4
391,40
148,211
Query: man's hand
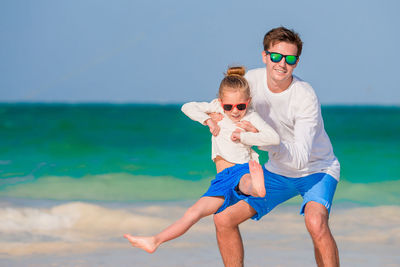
x,y
236,135
247,126
216,116
214,127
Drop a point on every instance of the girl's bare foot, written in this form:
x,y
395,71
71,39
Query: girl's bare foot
x,y
257,179
147,243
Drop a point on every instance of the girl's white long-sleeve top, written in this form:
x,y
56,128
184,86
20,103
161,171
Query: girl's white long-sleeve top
x,y
222,144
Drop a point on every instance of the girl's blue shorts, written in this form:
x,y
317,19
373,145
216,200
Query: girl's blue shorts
x,y
225,182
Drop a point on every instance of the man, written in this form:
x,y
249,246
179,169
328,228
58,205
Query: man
x,y
303,163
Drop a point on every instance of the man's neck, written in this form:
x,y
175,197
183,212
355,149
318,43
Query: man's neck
x,y
278,86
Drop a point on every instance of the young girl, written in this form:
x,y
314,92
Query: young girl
x,y
236,163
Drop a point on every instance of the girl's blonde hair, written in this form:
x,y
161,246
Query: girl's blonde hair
x,y
234,81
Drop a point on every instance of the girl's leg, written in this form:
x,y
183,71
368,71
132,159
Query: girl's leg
x,y
202,208
253,183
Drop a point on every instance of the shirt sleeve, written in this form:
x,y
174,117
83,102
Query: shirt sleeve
x,y
198,111
266,134
297,154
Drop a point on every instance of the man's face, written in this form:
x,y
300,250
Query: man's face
x,y
280,72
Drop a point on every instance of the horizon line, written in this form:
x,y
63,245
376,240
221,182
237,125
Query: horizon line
x,y
168,103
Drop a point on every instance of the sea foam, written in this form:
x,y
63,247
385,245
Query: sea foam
x,y
75,225
74,221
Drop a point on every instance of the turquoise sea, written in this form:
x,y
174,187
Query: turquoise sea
x,y
153,152
75,177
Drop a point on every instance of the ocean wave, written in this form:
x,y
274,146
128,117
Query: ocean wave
x,y
70,227
382,193
125,187
75,225
107,187
73,221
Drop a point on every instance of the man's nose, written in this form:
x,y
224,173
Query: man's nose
x,y
282,63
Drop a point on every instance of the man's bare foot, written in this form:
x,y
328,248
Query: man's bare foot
x,y
257,179
147,243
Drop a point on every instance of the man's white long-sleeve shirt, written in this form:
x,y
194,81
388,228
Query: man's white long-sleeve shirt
x,y
295,114
222,144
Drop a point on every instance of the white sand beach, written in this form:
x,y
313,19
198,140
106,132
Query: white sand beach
x,y
87,234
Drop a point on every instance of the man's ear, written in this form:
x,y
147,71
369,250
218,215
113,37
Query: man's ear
x,y
264,57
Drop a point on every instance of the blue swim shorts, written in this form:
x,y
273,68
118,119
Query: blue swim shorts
x,y
225,182
318,187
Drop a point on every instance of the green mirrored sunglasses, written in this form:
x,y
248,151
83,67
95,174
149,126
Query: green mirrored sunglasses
x,y
276,57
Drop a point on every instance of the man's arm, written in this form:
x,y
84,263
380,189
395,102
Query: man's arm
x,y
213,126
296,154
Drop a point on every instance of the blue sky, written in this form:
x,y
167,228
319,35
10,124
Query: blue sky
x,y
173,51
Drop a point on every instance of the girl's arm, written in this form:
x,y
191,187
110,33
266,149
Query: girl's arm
x,y
265,136
198,111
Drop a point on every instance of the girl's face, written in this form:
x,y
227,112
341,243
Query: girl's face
x,y
235,101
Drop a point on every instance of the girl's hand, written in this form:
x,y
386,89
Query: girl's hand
x,y
247,126
236,135
214,127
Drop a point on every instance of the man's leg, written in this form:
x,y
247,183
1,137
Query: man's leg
x,y
228,235
316,218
